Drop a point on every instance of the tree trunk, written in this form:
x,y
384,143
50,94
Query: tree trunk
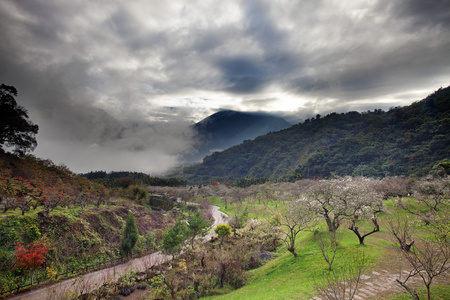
x,y
330,224
411,291
354,228
402,242
203,262
222,274
32,277
406,246
292,250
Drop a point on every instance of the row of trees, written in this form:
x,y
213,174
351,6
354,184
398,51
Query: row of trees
x,y
350,199
28,182
121,178
423,203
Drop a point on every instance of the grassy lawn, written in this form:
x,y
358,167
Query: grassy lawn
x,y
289,277
439,291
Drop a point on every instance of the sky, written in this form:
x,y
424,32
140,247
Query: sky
x,y
115,85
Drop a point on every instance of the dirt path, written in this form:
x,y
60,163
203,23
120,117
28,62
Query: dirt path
x,y
90,281
380,283
377,284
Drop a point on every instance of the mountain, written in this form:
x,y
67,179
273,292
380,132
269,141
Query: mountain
x,y
227,128
407,141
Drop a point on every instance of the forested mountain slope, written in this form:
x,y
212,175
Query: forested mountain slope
x,y
228,128
403,141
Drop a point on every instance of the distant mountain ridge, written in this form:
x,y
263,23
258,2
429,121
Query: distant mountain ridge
x,y
407,141
227,128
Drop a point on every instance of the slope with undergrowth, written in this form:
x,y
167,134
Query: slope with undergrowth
x,y
76,238
72,219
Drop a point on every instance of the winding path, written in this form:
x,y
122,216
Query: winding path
x,y
88,282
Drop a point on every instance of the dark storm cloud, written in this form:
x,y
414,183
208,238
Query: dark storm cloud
x,y
62,79
262,27
420,13
100,77
244,74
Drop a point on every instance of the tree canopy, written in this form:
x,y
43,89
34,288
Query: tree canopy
x,y
173,239
130,235
16,130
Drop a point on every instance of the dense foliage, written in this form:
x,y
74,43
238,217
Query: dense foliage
x,y
27,182
407,141
125,178
16,130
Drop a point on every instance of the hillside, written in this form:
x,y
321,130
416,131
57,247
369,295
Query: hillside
x,y
228,128
403,141
76,219
28,182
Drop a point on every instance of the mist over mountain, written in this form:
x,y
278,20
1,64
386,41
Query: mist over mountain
x,y
408,141
228,128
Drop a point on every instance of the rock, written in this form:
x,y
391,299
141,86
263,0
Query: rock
x,y
43,213
127,291
265,255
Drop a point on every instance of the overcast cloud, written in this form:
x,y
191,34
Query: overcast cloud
x,y
114,85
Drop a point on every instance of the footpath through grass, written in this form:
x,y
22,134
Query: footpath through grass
x,y
256,209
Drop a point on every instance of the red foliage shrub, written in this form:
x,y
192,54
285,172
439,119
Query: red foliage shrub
x,y
30,257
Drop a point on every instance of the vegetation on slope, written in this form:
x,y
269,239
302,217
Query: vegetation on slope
x,y
240,265
76,220
125,178
29,182
406,141
78,236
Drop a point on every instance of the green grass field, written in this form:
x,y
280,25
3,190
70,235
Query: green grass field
x,y
289,277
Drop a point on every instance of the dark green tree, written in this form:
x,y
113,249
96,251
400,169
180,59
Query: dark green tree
x,y
197,226
15,128
130,235
445,165
174,238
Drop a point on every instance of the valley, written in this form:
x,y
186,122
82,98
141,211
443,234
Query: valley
x,y
345,206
